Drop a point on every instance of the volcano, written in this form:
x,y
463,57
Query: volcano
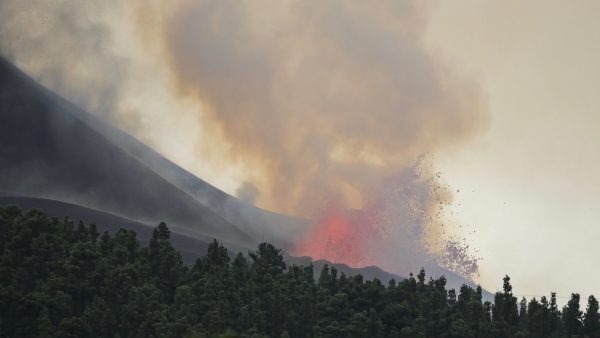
x,y
52,149
56,157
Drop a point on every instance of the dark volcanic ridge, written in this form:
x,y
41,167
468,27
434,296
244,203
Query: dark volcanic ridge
x,y
52,149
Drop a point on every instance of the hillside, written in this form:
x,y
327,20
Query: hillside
x,y
282,228
47,151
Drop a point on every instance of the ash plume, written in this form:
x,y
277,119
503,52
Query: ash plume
x,y
323,101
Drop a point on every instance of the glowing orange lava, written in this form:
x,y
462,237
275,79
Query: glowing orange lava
x,y
336,237
390,232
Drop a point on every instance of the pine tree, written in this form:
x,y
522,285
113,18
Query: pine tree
x,y
555,323
487,310
511,315
535,319
591,324
452,297
268,259
421,277
572,315
523,312
217,254
546,317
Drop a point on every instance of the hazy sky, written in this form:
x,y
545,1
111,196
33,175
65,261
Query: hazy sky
x,y
524,174
530,186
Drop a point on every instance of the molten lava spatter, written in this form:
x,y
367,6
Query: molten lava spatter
x,y
395,231
334,237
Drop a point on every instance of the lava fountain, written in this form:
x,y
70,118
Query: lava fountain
x,y
400,230
337,235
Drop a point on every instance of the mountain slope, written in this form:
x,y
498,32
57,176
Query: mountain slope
x,y
48,152
283,229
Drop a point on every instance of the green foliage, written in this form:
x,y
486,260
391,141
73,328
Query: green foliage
x,y
58,279
591,320
572,316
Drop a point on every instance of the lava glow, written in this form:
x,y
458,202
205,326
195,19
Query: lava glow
x,y
336,237
394,232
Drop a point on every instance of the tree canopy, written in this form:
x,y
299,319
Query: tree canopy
x,y
58,279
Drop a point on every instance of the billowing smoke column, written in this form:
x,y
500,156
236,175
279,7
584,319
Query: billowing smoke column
x,y
331,104
321,101
326,106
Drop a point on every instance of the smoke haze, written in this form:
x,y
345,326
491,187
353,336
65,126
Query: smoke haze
x,y
320,106
66,48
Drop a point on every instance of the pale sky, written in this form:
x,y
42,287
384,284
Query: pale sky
x,y
529,187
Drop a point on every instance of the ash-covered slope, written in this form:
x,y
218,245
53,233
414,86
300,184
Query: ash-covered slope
x,y
281,229
48,151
